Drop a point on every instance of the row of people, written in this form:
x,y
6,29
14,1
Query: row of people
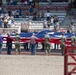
x,y
9,43
47,45
33,46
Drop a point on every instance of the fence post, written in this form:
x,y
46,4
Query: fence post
x,y
65,62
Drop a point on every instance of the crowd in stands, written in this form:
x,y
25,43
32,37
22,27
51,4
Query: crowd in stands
x,y
33,11
7,17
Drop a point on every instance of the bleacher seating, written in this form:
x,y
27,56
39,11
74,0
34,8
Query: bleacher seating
x,y
36,26
56,6
43,5
15,7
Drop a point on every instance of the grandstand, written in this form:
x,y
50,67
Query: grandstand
x,y
60,8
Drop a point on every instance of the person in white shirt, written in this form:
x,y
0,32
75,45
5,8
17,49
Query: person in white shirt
x,y
47,15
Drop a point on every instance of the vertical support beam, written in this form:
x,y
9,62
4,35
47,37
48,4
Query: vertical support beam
x,y
65,62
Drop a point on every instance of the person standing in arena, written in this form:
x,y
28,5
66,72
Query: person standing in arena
x,y
9,44
33,39
63,43
73,39
1,42
17,44
47,44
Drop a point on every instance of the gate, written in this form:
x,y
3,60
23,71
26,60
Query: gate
x,y
70,60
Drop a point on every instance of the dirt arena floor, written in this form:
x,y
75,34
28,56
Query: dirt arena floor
x,y
31,65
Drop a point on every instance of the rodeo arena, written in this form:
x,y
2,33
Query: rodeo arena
x,y
37,37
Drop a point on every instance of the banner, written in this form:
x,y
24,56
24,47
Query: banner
x,y
54,36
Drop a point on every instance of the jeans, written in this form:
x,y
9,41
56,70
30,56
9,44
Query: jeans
x,y
0,48
9,48
33,49
26,46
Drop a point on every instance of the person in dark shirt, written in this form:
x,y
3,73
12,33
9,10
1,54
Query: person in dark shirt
x,y
31,10
9,44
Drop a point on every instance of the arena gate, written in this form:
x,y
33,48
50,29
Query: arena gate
x,y
70,60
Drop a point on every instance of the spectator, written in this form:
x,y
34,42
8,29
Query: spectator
x,y
20,12
17,14
44,24
52,20
9,44
9,22
31,10
38,17
17,44
1,42
47,15
5,23
1,23
14,2
55,19
33,44
72,26
57,27
34,16
47,44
